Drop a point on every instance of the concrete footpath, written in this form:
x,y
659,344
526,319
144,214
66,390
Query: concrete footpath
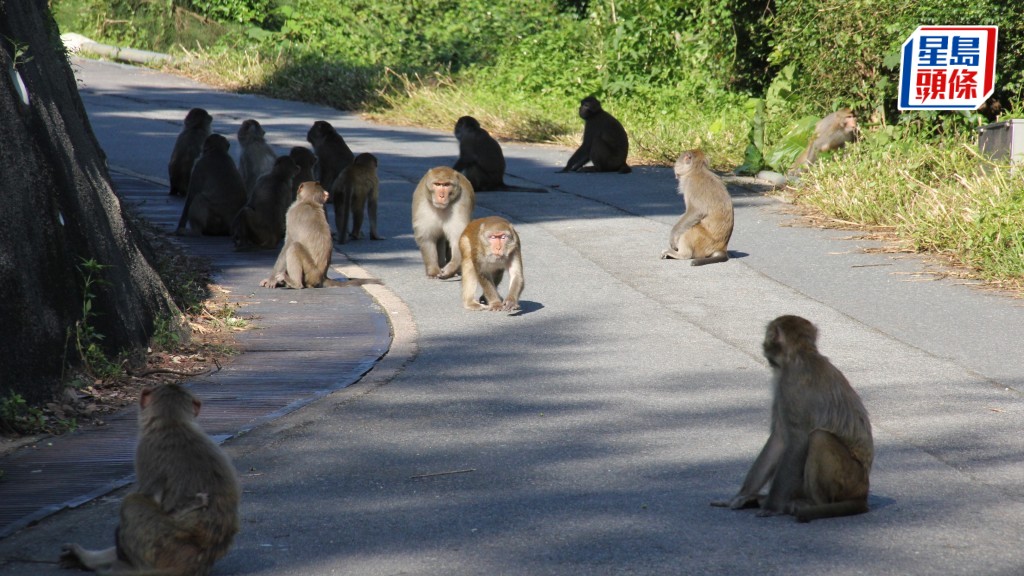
x,y
588,434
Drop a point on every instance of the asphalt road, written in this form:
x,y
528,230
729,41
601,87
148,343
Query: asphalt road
x,y
588,434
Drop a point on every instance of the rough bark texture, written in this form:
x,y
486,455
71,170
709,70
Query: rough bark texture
x,y
58,209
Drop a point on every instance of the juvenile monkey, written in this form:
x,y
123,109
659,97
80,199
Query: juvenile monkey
x,y
306,255
261,222
819,453
605,142
481,159
184,515
215,191
305,160
355,190
187,149
332,154
830,133
490,247
257,157
704,230
442,206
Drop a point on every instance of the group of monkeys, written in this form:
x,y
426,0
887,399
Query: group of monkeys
x,y
183,515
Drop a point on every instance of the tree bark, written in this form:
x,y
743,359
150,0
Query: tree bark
x,y
57,210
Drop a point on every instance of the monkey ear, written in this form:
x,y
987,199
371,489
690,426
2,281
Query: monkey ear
x,y
145,397
196,405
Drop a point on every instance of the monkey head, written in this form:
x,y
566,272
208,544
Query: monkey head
x,y
286,165
690,160
198,117
786,336
215,142
444,187
318,131
499,238
250,130
312,192
589,107
465,125
365,160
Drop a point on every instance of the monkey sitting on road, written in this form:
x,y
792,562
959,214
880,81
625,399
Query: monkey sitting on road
x,y
819,453
184,515
257,157
490,247
215,191
261,222
306,254
481,159
332,153
704,230
187,148
605,142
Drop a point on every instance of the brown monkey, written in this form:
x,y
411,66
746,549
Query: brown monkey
x,y
442,205
703,231
187,149
356,189
819,453
604,142
261,222
490,246
830,133
257,157
332,154
481,159
305,160
306,254
215,191
184,515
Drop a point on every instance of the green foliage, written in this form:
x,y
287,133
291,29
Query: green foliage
x,y
87,339
17,416
241,11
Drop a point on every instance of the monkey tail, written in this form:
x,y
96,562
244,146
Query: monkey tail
x,y
832,510
716,257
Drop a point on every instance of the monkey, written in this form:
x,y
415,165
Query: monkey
x,y
442,205
356,189
261,222
306,254
215,192
481,159
704,230
605,142
187,149
830,133
257,157
183,515
332,154
819,453
490,247
996,104
305,160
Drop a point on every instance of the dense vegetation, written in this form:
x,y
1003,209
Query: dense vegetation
x,y
678,74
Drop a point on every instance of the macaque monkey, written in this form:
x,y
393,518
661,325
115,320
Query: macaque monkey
x,y
819,453
604,142
830,133
257,157
215,191
305,160
306,255
356,189
490,246
481,160
187,149
332,154
442,205
261,222
184,514
703,231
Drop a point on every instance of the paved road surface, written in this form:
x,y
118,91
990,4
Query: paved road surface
x,y
588,434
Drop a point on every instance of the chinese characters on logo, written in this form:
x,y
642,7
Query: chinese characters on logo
x,y
948,67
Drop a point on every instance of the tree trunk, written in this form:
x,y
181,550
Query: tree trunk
x,y
58,210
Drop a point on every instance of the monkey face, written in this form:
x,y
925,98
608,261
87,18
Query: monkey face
x,y
589,107
497,240
442,193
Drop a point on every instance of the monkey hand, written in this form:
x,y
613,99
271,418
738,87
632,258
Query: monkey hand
x,y
69,557
508,306
445,273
